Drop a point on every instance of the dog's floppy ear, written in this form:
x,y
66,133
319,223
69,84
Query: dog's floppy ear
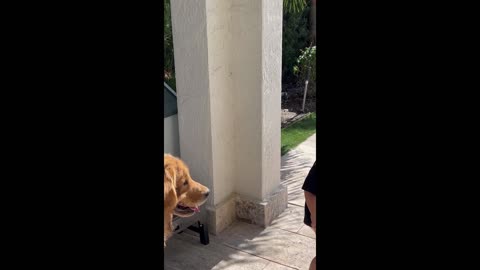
x,y
169,173
169,181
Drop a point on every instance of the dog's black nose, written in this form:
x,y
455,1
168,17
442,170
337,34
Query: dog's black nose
x,y
206,193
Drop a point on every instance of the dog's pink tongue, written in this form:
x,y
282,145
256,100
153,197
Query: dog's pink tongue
x,y
195,209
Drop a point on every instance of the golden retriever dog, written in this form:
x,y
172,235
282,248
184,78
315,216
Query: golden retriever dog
x,y
182,195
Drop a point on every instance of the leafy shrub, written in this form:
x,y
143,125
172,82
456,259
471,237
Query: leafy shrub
x,y
306,60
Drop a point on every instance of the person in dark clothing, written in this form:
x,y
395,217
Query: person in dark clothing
x,y
310,190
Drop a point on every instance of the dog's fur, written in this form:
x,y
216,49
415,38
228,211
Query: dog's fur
x,y
179,188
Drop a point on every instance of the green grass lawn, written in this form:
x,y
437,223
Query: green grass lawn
x,y
296,133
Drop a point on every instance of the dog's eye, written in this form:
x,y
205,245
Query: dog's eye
x,y
185,183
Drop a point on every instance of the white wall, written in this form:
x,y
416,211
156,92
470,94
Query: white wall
x,y
228,66
272,21
247,86
222,101
256,67
189,28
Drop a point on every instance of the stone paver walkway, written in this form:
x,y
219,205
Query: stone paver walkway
x,y
286,244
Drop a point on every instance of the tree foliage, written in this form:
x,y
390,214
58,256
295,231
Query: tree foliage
x,y
168,58
295,37
294,6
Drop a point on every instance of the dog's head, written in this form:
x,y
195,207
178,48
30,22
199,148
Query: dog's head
x,y
182,194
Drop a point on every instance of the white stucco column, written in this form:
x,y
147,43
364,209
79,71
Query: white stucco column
x,y
228,70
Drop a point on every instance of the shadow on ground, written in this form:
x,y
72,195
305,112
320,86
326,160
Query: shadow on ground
x,y
246,246
241,246
294,169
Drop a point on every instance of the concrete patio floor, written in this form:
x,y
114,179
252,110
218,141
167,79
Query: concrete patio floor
x,y
286,244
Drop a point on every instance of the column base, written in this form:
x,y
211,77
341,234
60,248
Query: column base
x,y
221,215
264,212
246,209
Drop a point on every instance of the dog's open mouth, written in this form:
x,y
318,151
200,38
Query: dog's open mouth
x,y
185,211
